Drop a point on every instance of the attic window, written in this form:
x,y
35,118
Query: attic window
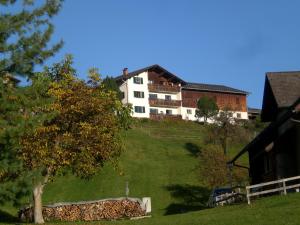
x,y
138,80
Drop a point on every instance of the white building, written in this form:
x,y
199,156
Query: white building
x,y
156,93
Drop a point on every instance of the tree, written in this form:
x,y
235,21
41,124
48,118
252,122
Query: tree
x,y
206,108
111,84
224,133
80,132
24,36
226,130
16,115
213,168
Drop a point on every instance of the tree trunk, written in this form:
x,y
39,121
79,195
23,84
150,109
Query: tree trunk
x,y
38,207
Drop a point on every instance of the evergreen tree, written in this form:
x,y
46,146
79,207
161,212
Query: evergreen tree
x,y
24,36
17,115
111,84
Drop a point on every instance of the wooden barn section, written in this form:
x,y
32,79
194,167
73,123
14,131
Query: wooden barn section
x,y
225,97
275,152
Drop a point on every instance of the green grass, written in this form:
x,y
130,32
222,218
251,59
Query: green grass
x,y
160,161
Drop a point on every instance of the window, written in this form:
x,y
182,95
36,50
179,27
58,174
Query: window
x,y
169,112
189,111
122,95
230,114
153,111
237,101
139,109
153,96
168,97
138,80
138,94
238,115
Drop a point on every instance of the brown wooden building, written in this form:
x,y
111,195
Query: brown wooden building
x,y
275,152
225,97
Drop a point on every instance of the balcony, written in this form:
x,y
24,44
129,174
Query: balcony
x,y
163,88
164,103
154,116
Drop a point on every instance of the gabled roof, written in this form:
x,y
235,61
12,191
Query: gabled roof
x,y
185,85
153,67
213,87
281,90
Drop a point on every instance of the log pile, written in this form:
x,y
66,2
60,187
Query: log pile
x,y
88,211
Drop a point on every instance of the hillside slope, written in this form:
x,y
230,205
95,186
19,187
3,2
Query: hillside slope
x,y
160,161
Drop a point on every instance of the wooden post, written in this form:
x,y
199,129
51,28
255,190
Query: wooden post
x,y
284,188
248,193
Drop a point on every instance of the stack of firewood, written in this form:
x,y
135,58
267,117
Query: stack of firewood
x,y
98,210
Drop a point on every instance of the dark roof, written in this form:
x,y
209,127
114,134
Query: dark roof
x,y
153,67
254,110
185,85
281,90
285,87
213,87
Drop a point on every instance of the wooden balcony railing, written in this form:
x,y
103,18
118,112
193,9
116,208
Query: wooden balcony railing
x,y
163,88
154,116
164,103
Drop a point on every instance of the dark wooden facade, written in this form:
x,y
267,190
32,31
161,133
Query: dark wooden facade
x,y
162,78
163,88
236,102
275,152
278,154
164,103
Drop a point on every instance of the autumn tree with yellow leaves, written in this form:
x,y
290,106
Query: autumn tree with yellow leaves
x,y
80,135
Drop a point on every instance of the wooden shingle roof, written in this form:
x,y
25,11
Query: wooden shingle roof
x,y
285,87
281,90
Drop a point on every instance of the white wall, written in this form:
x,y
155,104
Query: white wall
x,y
123,88
186,116
139,101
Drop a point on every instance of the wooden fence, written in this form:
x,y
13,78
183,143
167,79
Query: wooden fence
x,y
280,186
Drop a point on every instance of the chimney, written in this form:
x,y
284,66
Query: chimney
x,y
125,72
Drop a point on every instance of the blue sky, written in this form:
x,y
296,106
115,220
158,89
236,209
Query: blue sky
x,y
230,42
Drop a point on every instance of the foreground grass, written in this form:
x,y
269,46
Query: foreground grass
x,y
277,210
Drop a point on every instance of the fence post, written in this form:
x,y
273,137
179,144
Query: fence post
x,y
284,188
248,197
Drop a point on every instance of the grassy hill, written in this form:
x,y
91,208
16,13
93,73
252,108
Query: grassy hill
x,y
160,161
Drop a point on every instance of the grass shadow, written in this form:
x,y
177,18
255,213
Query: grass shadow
x,y
5,217
189,198
193,149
